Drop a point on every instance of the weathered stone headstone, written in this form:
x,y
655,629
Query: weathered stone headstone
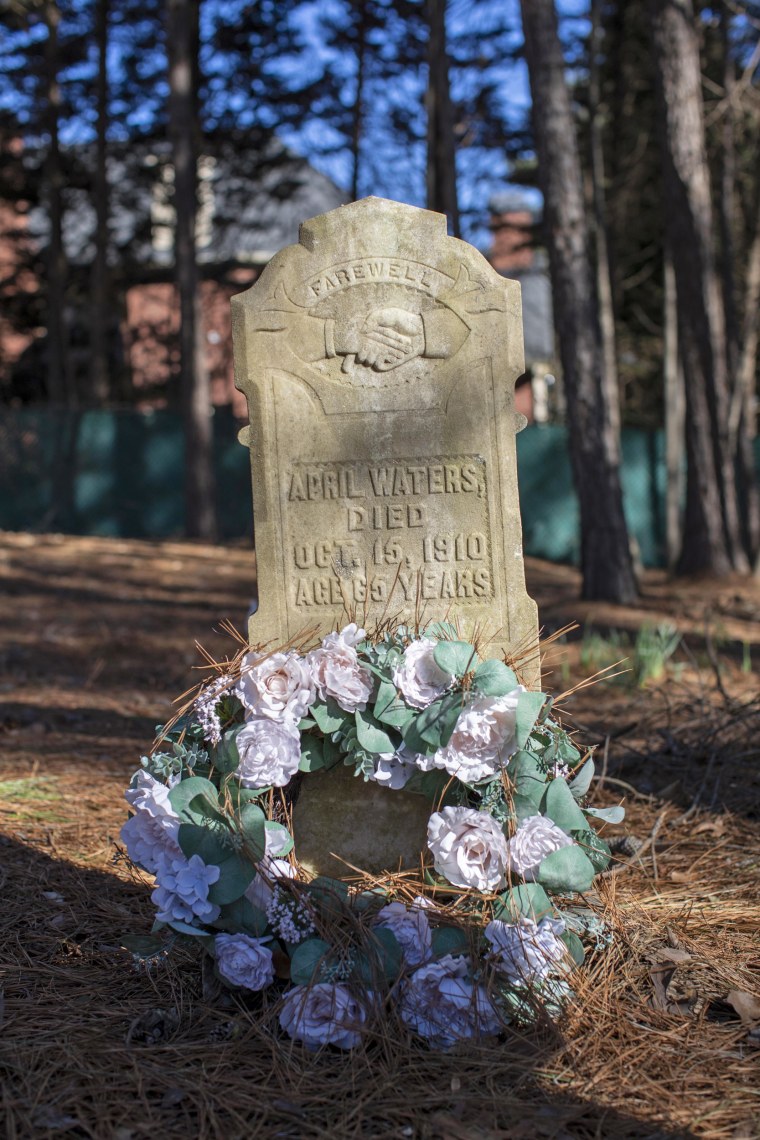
x,y
379,358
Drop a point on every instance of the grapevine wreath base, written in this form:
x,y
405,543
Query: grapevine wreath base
x,y
326,755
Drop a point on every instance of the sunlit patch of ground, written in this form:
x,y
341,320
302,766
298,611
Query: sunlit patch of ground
x,y
97,639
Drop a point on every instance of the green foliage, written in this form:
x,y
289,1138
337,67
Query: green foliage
x,y
241,915
252,823
455,657
581,781
214,845
529,706
371,735
235,876
312,754
528,899
284,838
596,849
449,940
613,814
195,799
527,774
328,715
559,805
574,946
494,679
226,755
566,871
390,708
436,723
306,960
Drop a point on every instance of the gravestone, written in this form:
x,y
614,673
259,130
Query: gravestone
x,y
379,358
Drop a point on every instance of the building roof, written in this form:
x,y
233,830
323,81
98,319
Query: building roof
x,y
251,200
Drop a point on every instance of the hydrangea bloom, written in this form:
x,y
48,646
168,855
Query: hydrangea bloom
x,y
535,838
244,961
270,752
441,1004
181,891
279,686
151,833
337,672
527,950
323,1014
469,848
483,739
394,769
411,928
419,678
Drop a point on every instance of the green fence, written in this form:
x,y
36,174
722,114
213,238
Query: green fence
x,y
121,474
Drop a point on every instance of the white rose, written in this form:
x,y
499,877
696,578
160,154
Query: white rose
x,y
419,678
244,961
411,928
152,831
527,950
337,672
181,891
483,739
469,848
270,752
441,1004
535,838
323,1014
269,870
280,686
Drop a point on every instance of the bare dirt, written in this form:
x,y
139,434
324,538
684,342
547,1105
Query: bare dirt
x,y
97,640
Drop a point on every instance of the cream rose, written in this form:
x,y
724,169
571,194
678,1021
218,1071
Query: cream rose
x,y
280,686
270,752
527,951
441,1004
244,961
337,672
323,1014
469,848
483,739
419,678
535,838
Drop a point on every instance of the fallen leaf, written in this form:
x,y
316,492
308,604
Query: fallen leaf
x,y
747,1006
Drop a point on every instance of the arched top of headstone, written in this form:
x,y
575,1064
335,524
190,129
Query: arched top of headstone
x,y
379,358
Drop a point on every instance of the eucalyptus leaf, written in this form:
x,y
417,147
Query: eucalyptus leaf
x,y
235,876
528,777
181,796
441,629
252,826
312,754
371,735
574,946
581,781
614,814
390,708
523,806
388,950
529,705
455,657
528,899
494,679
211,845
567,870
185,928
226,755
559,805
415,741
306,960
332,753
436,723
241,916
328,715
449,940
595,848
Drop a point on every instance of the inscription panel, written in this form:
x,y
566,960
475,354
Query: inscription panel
x,y
399,533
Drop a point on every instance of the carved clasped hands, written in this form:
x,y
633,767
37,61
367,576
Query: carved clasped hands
x,y
389,337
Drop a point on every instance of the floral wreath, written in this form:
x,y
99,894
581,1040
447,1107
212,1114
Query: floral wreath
x,y
466,942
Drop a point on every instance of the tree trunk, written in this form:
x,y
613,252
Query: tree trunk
x,y
358,108
601,248
594,446
441,151
744,401
712,540
675,401
182,42
59,379
100,380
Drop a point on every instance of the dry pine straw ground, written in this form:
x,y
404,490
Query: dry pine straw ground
x,y
96,637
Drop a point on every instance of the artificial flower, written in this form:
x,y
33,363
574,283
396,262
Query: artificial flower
x,y
151,833
244,961
323,1014
410,927
483,738
279,686
418,676
469,848
526,950
441,1004
270,752
337,671
535,838
181,891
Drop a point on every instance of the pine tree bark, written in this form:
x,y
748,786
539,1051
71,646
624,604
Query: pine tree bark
x,y
606,560
59,379
100,386
712,538
182,30
441,150
675,409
